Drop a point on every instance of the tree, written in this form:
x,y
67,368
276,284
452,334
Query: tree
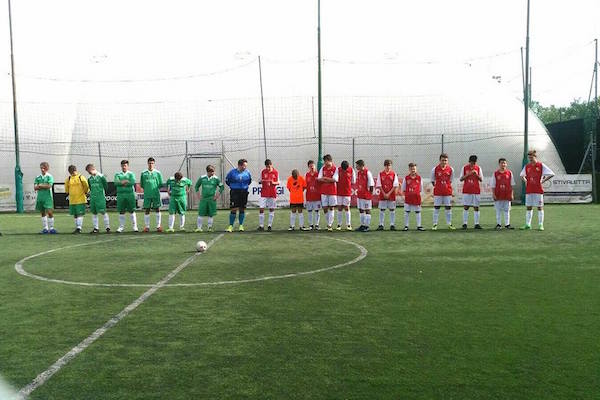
x,y
577,109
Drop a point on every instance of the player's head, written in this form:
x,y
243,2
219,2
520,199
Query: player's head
x,y
72,169
295,173
124,165
360,165
327,159
178,176
387,164
91,169
443,159
344,165
242,164
473,159
268,164
412,168
210,170
311,165
44,167
151,163
502,163
532,155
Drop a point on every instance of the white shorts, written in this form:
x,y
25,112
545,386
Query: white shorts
x,y
364,204
471,199
442,201
313,205
328,200
343,200
267,202
534,200
387,204
502,205
412,207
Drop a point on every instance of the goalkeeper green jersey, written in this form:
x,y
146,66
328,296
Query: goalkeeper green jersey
x,y
128,188
209,186
44,194
177,188
151,181
98,186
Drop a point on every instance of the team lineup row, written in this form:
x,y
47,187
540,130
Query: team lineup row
x,y
328,189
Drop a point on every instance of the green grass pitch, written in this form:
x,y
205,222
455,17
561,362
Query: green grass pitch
x,y
425,315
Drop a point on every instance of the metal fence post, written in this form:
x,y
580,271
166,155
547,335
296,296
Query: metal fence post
x,y
442,142
353,150
100,156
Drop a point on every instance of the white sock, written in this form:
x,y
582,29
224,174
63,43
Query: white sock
x,y
541,217
317,217
158,219
181,221
418,216
292,219
44,222
121,221
528,217
134,220
271,217
79,222
171,221
301,219
147,220
449,217
436,215
498,214
199,222
507,217
51,222
406,217
329,217
339,217
465,217
95,220
348,218
476,217
310,217
261,219
106,221
367,219
210,222
393,217
381,217
362,219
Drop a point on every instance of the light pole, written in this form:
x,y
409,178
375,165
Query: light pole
x,y
319,97
526,103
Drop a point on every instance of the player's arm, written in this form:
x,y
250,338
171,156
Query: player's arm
x,y
395,185
370,181
322,178
84,182
403,187
104,183
523,174
353,176
198,184
433,176
547,173
463,176
276,181
142,180
512,183
493,186
132,180
160,180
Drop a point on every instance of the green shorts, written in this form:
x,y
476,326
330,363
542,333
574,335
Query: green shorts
x,y
44,204
98,206
125,203
76,209
177,205
151,202
207,208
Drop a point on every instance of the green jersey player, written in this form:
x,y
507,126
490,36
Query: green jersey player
x,y
151,180
125,183
208,204
98,187
44,202
177,187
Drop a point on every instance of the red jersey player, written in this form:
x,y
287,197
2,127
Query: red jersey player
x,y
502,186
535,174
471,176
346,177
269,179
364,183
441,179
328,176
412,187
387,182
313,195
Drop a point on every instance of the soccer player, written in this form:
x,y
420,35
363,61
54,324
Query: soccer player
x,y
412,187
238,180
388,184
328,176
151,180
313,195
346,178
441,179
44,202
535,174
125,183
178,188
502,186
76,187
98,187
471,176
269,179
208,204
365,184
296,185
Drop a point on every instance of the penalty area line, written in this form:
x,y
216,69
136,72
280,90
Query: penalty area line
x,y
84,344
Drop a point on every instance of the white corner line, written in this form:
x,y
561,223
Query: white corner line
x,y
84,344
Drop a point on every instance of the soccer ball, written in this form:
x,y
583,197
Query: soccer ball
x,y
201,246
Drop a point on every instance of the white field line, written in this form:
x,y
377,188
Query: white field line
x,y
19,268
61,362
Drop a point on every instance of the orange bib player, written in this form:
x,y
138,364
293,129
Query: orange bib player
x,y
296,185
441,179
502,187
313,195
412,187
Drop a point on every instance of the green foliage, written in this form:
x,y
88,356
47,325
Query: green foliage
x,y
577,109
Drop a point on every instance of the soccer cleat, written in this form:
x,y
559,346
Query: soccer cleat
x,y
44,231
366,229
304,229
310,228
241,228
159,229
477,226
380,228
107,230
329,228
420,228
339,228
434,227
317,228
146,229
260,228
525,227
198,229
269,228
360,228
464,227
229,228
498,227
209,229
182,229
170,230
509,226
451,227
135,229
76,231
291,228
540,227
53,231
95,230
392,227
349,228
120,229
405,228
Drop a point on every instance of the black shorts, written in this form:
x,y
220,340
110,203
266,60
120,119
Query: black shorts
x,y
238,198
297,205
